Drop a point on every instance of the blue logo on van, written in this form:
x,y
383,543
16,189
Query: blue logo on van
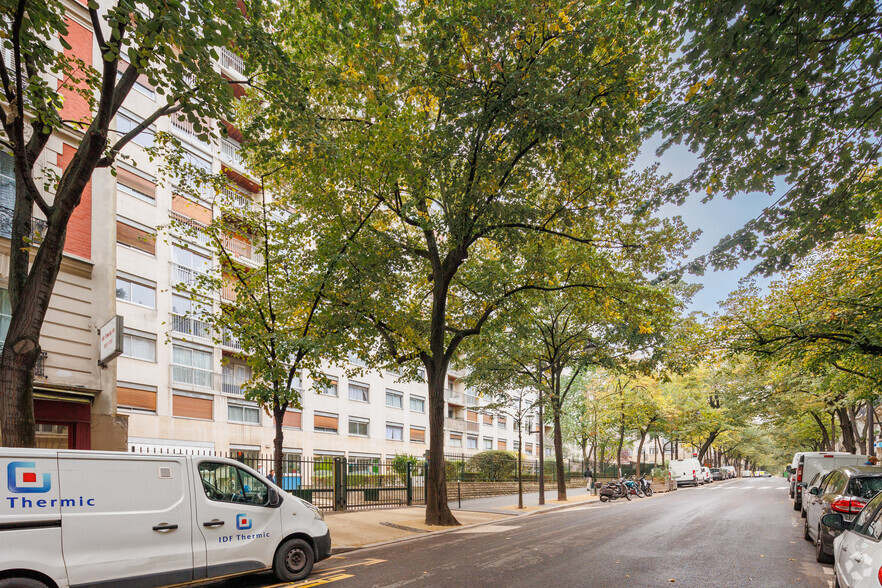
x,y
22,478
243,521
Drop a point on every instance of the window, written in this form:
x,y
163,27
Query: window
x,y
243,413
865,488
131,289
126,121
488,444
293,419
329,389
394,432
227,483
471,398
359,392
471,442
191,366
394,399
358,426
488,420
354,359
7,192
136,236
5,314
417,404
136,397
139,345
138,185
325,422
187,264
501,422
456,440
528,448
417,434
501,444
234,375
189,314
867,517
125,189
192,406
141,84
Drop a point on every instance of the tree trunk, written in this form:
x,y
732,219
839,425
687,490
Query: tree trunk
x,y
278,443
825,438
706,445
640,451
437,510
847,431
558,453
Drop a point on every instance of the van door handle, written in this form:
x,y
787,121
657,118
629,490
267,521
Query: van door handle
x,y
213,523
164,527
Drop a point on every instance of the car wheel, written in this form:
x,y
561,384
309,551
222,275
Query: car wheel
x,y
21,583
820,555
797,505
802,513
805,532
293,561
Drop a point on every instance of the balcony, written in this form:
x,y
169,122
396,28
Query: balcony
x,y
471,400
453,397
236,199
228,291
185,325
242,251
232,62
190,376
229,153
454,424
196,233
186,130
184,275
229,340
231,385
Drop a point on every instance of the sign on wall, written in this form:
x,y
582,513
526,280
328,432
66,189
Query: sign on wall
x,y
110,340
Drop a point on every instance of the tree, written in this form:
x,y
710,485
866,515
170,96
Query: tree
x,y
470,139
786,91
174,46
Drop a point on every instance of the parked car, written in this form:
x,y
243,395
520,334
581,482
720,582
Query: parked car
x,y
706,475
762,474
845,490
717,474
857,550
729,471
812,463
686,471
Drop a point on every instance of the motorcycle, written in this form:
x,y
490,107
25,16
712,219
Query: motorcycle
x,y
633,487
613,490
645,486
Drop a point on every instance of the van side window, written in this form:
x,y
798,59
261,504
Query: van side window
x,y
227,483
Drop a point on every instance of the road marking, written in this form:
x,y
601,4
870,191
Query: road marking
x,y
488,529
364,562
314,582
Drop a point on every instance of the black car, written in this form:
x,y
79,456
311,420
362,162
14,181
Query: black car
x,y
846,491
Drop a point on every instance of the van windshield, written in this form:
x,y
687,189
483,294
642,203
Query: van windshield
x,y
865,487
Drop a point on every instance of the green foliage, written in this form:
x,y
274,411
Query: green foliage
x,y
495,465
400,461
780,93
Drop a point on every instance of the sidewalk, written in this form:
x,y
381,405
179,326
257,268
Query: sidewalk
x,y
351,530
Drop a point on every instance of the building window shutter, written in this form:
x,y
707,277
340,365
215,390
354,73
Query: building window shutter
x,y
136,238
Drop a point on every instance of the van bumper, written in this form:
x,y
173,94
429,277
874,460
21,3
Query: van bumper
x,y
322,546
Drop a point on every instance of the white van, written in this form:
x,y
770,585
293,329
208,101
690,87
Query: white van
x,y
796,477
686,471
75,518
812,463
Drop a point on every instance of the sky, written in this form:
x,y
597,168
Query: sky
x,y
715,219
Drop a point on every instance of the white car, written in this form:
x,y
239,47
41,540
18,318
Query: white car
x,y
706,475
857,550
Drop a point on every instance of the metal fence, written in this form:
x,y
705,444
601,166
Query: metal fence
x,y
498,466
336,483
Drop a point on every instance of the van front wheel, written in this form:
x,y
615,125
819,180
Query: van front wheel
x,y
21,583
293,561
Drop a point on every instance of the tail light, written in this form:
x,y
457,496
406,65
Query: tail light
x,y
799,474
879,576
848,505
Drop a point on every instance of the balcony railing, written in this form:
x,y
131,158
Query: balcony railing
x,y
230,340
231,385
231,61
236,199
38,226
198,235
454,397
228,292
186,325
229,152
471,400
242,250
181,274
454,424
186,129
182,374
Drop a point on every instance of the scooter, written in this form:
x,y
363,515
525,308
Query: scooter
x,y
645,486
633,487
613,490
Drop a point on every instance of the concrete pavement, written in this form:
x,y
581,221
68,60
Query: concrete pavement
x,y
351,530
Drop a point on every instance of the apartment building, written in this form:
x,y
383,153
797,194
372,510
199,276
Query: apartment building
x,y
181,391
74,397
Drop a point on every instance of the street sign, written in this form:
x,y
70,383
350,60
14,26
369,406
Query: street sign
x,y
110,340
878,444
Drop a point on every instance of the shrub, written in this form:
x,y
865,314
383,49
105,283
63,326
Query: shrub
x,y
495,465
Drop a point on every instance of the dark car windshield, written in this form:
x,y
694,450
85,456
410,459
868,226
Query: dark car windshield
x,y
865,487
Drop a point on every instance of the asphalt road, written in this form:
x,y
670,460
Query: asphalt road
x,y
734,533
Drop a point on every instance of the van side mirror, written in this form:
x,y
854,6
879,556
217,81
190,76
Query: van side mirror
x,y
274,498
834,521
815,491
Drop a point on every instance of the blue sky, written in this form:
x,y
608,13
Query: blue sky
x,y
715,219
